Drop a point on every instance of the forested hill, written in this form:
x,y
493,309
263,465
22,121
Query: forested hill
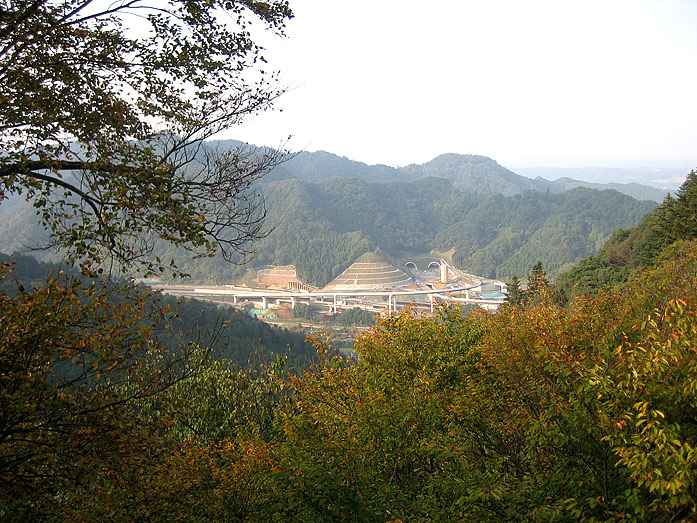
x,y
231,334
323,227
320,166
468,172
633,250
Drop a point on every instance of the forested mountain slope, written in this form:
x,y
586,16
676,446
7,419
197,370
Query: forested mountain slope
x,y
637,248
490,235
467,172
322,228
231,334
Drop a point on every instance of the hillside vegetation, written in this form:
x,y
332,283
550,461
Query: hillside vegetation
x,y
228,333
322,228
553,413
632,250
324,211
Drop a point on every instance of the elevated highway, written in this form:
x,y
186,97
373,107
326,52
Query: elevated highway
x,y
337,297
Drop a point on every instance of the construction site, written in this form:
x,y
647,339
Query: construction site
x,y
370,283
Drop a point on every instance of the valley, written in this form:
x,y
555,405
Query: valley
x,y
324,212
197,328
370,287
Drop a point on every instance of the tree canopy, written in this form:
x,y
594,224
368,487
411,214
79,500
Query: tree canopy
x,y
104,109
324,227
537,413
630,251
105,106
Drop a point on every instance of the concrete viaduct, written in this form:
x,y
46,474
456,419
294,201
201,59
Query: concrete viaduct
x,y
266,294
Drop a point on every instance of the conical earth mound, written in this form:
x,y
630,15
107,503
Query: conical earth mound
x,y
370,272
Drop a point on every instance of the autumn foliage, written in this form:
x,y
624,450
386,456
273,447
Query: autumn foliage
x,y
545,413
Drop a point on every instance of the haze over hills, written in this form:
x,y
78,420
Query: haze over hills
x,y
470,172
325,211
319,166
635,190
473,173
663,178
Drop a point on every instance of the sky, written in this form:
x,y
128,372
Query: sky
x,y
528,83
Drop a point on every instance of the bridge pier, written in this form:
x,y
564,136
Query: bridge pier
x,y
332,299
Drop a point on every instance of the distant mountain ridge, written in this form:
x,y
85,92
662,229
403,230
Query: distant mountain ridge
x,y
320,166
467,172
633,189
485,218
665,178
322,228
470,172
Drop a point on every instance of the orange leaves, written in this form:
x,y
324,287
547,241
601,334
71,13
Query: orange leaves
x,y
65,351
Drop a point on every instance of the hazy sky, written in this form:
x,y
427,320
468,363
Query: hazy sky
x,y
532,82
